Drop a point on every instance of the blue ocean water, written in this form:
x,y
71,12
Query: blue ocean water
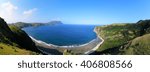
x,y
63,34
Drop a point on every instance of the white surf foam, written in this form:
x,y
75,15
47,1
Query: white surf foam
x,y
56,46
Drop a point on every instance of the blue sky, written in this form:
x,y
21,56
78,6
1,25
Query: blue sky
x,y
75,11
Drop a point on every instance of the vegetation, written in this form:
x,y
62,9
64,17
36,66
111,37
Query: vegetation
x,y
116,34
125,38
138,46
67,52
6,49
13,40
22,39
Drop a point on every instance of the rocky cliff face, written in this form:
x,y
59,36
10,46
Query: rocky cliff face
x,y
13,35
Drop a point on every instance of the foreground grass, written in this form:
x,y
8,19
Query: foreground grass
x,y
138,46
6,49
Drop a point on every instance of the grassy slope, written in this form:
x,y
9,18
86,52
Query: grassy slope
x,y
123,39
6,49
138,46
116,34
23,39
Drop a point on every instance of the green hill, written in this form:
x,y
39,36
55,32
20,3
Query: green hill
x,y
15,41
138,46
125,38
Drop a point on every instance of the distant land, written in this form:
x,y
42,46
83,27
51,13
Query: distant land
x,y
119,39
23,24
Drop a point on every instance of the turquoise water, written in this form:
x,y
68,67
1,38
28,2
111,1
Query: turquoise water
x,y
63,34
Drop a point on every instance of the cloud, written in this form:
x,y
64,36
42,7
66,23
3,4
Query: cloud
x,y
8,11
11,13
29,12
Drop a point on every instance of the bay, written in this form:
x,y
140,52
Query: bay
x,y
63,34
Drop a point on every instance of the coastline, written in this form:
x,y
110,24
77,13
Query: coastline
x,y
83,49
95,48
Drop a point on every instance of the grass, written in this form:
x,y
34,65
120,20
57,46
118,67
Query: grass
x,y
6,49
124,39
116,34
140,45
15,29
67,52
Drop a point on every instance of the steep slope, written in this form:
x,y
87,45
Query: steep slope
x,y
125,38
22,39
15,39
5,32
138,46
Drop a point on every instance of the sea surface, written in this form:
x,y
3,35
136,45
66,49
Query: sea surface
x,y
63,34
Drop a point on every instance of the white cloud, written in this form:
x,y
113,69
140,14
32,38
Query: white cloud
x,y
7,11
11,13
29,12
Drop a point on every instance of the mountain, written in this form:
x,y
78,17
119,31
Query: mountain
x,y
23,24
55,22
125,38
13,40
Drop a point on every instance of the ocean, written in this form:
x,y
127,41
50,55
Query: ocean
x,y
63,34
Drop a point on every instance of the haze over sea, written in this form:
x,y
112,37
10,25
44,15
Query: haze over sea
x,y
63,34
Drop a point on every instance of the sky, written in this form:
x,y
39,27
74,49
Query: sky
x,y
75,11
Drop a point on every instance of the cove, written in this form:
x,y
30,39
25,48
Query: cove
x,y
63,34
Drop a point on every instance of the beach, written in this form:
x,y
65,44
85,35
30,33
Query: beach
x,y
83,49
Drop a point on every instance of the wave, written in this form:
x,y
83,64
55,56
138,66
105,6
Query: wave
x,y
56,46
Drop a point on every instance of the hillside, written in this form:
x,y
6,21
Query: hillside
x,y
7,49
15,41
125,38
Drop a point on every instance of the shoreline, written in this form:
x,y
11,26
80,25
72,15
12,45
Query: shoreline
x,y
67,47
95,48
83,49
